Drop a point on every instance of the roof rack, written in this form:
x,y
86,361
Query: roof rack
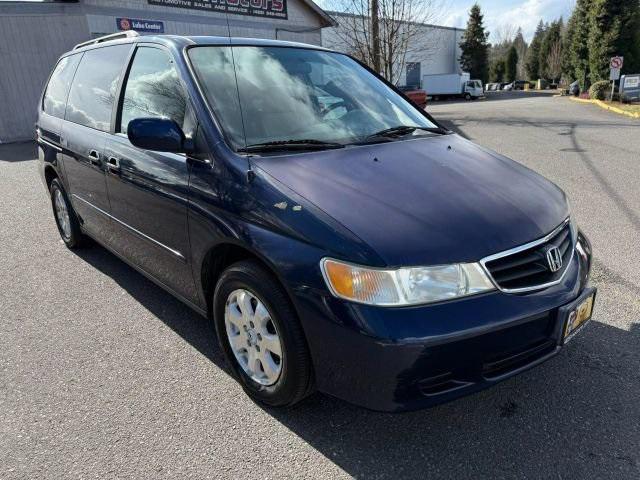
x,y
108,38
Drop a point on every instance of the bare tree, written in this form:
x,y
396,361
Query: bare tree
x,y
504,34
554,61
400,31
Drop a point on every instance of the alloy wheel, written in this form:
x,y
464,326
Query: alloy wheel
x,y
253,337
62,214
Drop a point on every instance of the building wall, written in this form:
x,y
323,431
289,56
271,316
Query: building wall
x,y
30,44
34,35
180,21
436,48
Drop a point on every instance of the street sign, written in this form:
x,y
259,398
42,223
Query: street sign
x,y
615,74
616,62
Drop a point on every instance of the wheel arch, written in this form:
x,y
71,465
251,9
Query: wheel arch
x,y
49,174
225,254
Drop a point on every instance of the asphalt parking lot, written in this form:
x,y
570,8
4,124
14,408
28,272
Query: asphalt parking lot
x,y
103,375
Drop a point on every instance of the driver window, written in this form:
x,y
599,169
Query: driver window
x,y
331,107
153,89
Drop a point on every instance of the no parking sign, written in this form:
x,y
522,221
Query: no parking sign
x,y
615,65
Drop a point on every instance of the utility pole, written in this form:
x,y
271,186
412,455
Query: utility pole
x,y
375,35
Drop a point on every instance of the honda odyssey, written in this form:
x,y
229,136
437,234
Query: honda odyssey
x,y
339,237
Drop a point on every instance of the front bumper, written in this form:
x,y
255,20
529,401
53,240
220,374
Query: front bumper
x,y
395,359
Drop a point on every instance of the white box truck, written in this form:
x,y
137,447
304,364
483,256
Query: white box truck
x,y
452,85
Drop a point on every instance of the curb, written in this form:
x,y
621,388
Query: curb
x,y
603,105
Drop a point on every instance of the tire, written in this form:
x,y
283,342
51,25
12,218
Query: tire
x,y
467,96
249,279
65,216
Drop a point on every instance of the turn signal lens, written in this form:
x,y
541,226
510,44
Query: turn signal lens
x,y
362,285
404,286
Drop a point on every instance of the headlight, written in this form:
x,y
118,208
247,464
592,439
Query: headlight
x,y
404,286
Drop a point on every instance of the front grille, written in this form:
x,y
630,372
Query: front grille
x,y
530,268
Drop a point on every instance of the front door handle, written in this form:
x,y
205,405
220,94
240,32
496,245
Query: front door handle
x,y
94,157
113,164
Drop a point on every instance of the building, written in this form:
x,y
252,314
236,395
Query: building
x,y
433,50
33,36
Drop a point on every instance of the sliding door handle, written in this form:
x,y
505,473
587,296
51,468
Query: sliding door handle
x,y
94,157
113,164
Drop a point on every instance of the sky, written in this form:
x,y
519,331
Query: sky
x,y
498,13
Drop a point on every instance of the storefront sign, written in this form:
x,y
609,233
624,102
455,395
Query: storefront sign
x,y
139,25
255,8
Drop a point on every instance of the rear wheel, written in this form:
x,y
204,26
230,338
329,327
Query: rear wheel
x,y
261,336
65,216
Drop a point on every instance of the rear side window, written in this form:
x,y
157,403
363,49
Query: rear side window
x,y
153,88
94,87
55,96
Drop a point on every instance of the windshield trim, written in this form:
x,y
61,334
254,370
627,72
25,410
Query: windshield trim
x,y
228,142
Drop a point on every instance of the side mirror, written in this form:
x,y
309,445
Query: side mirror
x,y
159,134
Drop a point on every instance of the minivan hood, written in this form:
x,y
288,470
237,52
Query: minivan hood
x,y
425,201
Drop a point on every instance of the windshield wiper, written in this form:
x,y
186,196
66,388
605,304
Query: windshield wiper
x,y
290,145
402,130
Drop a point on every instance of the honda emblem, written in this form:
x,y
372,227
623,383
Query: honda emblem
x,y
554,259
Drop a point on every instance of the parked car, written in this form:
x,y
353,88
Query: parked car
x,y
574,88
629,89
416,95
339,237
519,84
508,86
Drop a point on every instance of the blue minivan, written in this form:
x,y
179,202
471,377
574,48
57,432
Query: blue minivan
x,y
339,238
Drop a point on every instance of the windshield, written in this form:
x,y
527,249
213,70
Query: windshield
x,y
280,94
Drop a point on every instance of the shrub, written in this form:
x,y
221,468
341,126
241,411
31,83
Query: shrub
x,y
600,90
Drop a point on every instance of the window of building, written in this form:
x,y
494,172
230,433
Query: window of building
x,y
153,89
413,76
55,97
94,87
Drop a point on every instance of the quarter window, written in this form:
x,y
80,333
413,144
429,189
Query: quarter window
x,y
153,89
55,96
94,87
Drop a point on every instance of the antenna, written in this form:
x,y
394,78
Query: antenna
x,y
235,74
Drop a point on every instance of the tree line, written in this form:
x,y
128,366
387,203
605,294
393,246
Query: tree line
x,y
577,50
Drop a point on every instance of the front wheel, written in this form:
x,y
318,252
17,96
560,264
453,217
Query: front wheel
x,y
467,96
261,336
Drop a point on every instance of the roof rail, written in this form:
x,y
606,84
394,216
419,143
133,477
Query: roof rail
x,y
108,38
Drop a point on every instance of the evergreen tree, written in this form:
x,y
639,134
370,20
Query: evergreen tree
x,y
511,65
533,54
497,71
578,50
475,47
552,36
521,47
614,27
567,40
